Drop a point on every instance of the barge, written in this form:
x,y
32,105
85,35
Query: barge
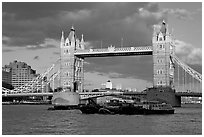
x,y
116,107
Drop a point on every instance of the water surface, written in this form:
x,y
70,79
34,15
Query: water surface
x,y
36,119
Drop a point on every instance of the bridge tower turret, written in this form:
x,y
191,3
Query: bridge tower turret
x,y
71,74
163,52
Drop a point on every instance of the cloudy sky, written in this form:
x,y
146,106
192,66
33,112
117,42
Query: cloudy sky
x,y
32,31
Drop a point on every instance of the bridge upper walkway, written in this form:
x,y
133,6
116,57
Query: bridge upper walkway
x,y
112,51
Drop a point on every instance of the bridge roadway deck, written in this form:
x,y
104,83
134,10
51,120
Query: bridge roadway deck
x,y
189,94
100,94
26,94
112,51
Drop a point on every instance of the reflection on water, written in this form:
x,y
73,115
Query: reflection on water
x,y
36,119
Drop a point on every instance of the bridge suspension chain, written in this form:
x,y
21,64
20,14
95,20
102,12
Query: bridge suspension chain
x,y
52,79
188,69
183,80
194,76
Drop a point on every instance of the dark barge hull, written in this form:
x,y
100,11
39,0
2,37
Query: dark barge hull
x,y
66,107
122,110
171,111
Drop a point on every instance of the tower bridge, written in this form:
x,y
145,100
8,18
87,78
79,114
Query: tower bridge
x,y
170,74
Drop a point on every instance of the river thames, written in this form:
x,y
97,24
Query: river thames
x,y
37,120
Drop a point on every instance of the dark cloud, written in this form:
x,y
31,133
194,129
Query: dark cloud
x,y
123,66
39,25
56,53
36,58
7,50
36,10
28,23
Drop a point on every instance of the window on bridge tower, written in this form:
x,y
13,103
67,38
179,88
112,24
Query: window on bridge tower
x,y
160,39
161,46
68,74
160,71
161,82
64,83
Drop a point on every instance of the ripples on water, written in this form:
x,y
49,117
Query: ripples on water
x,y
36,119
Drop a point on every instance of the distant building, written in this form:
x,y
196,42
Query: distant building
x,y
109,85
118,87
6,75
18,74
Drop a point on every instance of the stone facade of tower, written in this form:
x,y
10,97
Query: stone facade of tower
x,y
71,67
163,52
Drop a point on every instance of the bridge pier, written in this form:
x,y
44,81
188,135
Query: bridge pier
x,y
164,95
65,100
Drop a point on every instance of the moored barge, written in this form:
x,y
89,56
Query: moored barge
x,y
116,107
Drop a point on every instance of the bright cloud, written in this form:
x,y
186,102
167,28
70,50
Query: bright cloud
x,y
151,10
75,15
188,53
48,43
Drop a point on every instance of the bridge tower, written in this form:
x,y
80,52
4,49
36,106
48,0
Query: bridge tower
x,y
163,65
163,53
71,67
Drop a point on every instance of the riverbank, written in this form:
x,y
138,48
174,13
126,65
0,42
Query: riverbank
x,y
27,103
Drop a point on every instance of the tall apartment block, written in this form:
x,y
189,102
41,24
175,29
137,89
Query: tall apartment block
x,y
6,75
18,73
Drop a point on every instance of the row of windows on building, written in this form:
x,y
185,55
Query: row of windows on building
x,y
66,64
66,83
66,51
19,73
160,82
161,46
160,60
160,71
22,76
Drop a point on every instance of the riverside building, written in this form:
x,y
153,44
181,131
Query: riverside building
x,y
19,73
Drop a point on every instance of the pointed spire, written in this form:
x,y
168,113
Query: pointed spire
x,y
72,28
163,28
82,41
163,22
62,39
62,35
71,36
82,38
